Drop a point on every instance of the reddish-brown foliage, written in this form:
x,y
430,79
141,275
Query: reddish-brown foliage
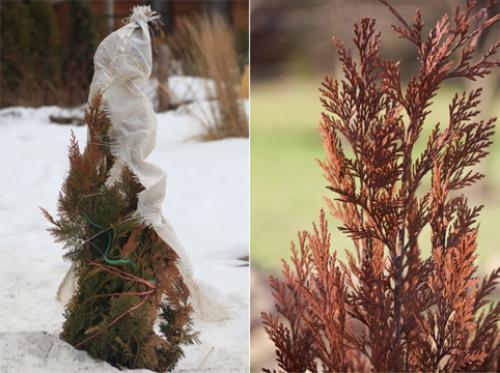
x,y
388,308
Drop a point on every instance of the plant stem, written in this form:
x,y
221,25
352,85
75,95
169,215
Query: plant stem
x,y
398,262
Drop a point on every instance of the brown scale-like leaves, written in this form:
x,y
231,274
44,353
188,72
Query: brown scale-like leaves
x,y
387,308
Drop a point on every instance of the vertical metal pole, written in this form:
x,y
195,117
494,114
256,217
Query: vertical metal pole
x,y
110,13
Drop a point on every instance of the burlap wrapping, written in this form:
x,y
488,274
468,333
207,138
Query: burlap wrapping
x,y
122,61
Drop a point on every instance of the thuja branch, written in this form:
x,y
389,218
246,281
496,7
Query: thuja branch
x,y
115,320
114,307
393,309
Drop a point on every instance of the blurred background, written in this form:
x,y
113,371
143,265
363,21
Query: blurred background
x,y
47,46
291,52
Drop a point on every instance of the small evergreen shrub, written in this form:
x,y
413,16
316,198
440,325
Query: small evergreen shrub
x,y
126,274
36,66
15,40
80,48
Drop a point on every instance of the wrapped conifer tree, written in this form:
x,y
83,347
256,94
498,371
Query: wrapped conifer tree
x,y
128,267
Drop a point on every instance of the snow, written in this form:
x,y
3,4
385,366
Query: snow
x,y
182,89
207,202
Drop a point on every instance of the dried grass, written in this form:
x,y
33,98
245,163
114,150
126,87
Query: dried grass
x,y
206,45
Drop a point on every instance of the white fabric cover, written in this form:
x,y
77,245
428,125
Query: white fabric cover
x,y
121,62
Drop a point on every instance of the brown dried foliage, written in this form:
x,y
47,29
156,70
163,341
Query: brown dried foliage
x,y
387,308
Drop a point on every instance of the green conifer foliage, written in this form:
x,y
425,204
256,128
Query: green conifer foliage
x,y
82,43
43,47
127,275
29,58
15,25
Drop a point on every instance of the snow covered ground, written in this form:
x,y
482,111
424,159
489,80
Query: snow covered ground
x,y
182,89
207,202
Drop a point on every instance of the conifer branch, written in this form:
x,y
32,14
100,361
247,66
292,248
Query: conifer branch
x,y
387,308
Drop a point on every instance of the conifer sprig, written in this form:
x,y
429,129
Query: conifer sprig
x,y
387,308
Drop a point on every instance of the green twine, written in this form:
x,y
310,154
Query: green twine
x,y
108,247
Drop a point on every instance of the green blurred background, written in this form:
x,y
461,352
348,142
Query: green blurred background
x,y
288,186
